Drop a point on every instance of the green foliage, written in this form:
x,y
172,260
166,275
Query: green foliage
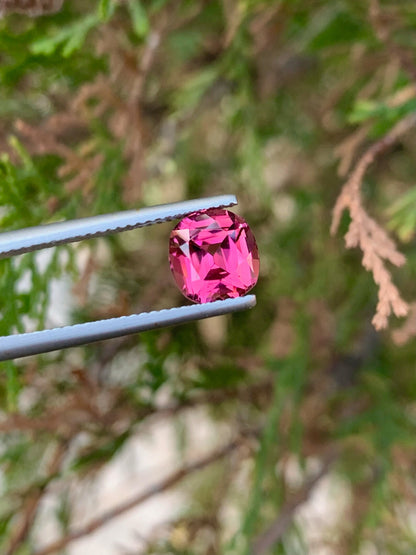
x,y
100,454
336,27
106,9
403,215
384,115
70,39
139,18
114,105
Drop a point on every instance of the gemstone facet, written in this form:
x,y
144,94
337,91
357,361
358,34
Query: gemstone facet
x,y
213,255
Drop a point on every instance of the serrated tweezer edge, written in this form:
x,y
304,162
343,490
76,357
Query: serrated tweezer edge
x,y
34,343
50,235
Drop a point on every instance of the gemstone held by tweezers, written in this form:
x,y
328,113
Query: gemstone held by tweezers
x,y
213,255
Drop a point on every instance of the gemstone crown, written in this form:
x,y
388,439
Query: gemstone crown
x,y
213,255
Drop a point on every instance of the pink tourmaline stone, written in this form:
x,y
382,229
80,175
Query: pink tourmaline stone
x,y
213,255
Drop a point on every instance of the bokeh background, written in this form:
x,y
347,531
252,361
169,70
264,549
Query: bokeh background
x,y
287,429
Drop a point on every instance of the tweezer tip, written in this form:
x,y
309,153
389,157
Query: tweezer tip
x,y
250,300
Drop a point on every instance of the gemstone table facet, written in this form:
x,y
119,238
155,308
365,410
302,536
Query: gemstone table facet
x,y
213,255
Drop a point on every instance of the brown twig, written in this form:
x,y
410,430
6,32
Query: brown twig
x,y
156,489
367,234
267,539
31,504
30,7
346,150
382,23
71,415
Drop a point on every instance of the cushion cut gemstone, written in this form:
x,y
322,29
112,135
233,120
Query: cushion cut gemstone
x,y
213,255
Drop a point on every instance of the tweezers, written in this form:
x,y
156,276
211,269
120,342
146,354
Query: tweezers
x,y
34,238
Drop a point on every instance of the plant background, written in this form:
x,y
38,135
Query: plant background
x,y
289,105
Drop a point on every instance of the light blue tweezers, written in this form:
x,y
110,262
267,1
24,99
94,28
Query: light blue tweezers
x,y
35,238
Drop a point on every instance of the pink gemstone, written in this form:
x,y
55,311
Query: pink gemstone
x,y
213,255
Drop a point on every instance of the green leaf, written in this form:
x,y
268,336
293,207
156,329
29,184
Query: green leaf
x,y
70,38
4,523
339,28
192,91
403,215
139,18
101,454
383,114
106,9
366,109
13,386
22,152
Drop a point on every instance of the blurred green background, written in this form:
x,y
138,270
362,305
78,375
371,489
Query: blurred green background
x,y
113,105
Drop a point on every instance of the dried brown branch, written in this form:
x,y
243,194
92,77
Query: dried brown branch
x,y
346,150
367,234
30,7
117,99
123,95
78,168
156,489
267,539
28,513
84,409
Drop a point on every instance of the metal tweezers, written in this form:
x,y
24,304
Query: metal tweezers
x,y
35,238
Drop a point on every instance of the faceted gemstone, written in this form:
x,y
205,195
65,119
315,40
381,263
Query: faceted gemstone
x,y
213,255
